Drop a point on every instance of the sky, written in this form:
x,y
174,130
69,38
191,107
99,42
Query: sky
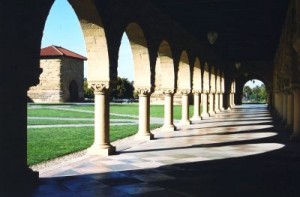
x,y
63,29
256,83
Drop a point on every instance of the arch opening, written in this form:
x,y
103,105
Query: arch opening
x,y
254,91
140,54
184,73
86,37
123,90
164,66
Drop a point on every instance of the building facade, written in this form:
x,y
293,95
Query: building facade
x,y
61,79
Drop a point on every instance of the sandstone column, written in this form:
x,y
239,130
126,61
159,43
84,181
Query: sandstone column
x,y
196,115
185,108
101,145
204,102
217,103
296,126
168,111
144,116
221,102
211,104
279,105
284,107
290,111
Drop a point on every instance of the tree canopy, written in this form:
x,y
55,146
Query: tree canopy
x,y
256,94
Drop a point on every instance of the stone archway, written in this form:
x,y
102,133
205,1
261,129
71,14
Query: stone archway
x,y
212,91
184,86
142,77
165,86
205,91
197,88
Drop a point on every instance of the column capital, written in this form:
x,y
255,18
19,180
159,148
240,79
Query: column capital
x,y
99,87
204,91
196,91
185,91
143,91
168,91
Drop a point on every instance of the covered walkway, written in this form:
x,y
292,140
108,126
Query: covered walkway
x,y
241,152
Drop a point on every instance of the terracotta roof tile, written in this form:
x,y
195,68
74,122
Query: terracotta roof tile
x,y
54,51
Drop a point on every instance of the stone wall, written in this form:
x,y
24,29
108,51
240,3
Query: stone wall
x,y
72,69
49,88
55,80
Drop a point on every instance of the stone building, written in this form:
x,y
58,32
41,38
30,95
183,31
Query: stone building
x,y
62,76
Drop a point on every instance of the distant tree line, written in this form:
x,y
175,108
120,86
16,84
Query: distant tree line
x,y
257,94
123,89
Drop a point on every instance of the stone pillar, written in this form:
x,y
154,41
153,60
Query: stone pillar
x,y
15,173
290,111
168,111
185,108
217,103
232,102
284,107
144,116
204,102
101,145
221,106
211,104
296,126
279,105
196,115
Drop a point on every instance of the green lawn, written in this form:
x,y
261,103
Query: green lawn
x,y
59,121
50,143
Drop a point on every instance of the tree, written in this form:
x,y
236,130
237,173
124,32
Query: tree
x,y
256,94
88,92
247,91
123,89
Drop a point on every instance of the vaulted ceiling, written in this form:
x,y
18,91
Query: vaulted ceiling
x,y
248,30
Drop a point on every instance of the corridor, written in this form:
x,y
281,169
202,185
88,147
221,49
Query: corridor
x,y
240,152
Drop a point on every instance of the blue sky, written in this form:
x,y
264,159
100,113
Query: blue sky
x,y
63,29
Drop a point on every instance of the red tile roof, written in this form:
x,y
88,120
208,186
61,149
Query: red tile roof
x,y
56,51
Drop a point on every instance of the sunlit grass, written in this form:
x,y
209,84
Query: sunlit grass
x,y
49,143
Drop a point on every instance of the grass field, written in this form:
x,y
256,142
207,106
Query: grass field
x,y
49,143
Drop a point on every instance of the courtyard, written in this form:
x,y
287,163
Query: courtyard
x,y
242,152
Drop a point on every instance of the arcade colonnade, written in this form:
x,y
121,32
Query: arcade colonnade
x,y
286,81
167,60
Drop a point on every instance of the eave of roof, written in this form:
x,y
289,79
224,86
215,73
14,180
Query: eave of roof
x,y
57,51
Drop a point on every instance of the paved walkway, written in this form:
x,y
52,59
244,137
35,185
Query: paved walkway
x,y
241,152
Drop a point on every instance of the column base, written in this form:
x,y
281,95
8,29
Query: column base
x,y
222,109
295,138
211,113
289,128
168,128
204,115
104,150
185,122
217,111
144,136
195,118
